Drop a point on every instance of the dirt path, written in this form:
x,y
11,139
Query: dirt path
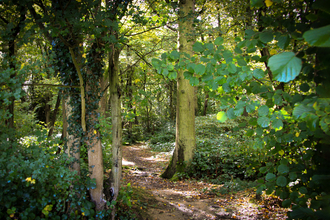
x,y
186,199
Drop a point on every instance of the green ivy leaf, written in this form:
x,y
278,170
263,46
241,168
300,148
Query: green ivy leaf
x,y
266,36
270,177
319,37
285,66
221,117
263,121
281,181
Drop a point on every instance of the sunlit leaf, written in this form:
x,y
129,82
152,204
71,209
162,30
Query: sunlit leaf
x,y
285,66
263,110
218,41
200,69
198,47
258,73
277,123
221,116
319,37
263,122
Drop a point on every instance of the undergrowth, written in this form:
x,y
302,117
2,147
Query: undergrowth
x,y
224,154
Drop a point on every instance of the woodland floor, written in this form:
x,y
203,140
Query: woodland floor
x,y
157,198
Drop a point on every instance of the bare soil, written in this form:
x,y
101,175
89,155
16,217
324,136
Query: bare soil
x,y
161,199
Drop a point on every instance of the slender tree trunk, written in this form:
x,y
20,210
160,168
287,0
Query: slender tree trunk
x,y
73,142
52,122
185,118
206,103
115,95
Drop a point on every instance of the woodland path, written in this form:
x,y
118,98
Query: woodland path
x,y
187,199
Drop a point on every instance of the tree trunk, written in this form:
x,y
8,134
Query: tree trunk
x,y
206,103
52,122
115,95
73,142
185,118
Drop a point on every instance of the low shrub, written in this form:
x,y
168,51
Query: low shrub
x,y
37,183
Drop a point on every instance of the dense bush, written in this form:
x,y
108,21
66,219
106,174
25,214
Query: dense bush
x,y
223,151
37,183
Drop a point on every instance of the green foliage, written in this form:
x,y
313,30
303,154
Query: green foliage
x,y
164,139
228,156
290,94
37,182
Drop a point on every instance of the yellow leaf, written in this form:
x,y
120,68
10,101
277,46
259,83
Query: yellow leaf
x,y
33,181
268,3
28,179
95,131
83,213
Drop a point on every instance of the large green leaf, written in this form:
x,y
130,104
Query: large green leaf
x,y
258,73
198,47
221,116
263,122
218,41
319,37
277,123
301,109
257,3
200,69
283,169
266,36
283,41
281,181
285,66
270,177
174,55
263,110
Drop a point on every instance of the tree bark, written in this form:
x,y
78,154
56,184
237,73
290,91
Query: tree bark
x,y
115,95
185,143
73,142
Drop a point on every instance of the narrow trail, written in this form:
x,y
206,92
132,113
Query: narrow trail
x,y
187,199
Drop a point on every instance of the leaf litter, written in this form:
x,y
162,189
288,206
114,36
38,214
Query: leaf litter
x,y
187,199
